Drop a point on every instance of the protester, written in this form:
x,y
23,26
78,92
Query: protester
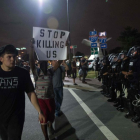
x,y
58,86
84,68
94,64
26,66
80,70
68,71
14,81
44,91
21,63
74,70
97,65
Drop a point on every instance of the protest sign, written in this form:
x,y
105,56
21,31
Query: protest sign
x,y
50,43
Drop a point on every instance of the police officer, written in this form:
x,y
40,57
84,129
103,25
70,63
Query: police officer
x,y
97,66
122,82
108,74
113,78
133,76
104,69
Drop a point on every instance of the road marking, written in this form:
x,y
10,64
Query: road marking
x,y
108,134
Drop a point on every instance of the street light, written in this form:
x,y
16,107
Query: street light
x,y
69,39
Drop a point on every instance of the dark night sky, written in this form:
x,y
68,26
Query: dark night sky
x,y
17,17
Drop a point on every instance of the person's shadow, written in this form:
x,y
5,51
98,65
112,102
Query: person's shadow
x,y
63,129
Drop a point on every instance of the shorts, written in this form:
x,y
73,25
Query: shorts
x,y
48,109
74,74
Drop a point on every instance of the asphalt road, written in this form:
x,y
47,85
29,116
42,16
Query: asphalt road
x,y
86,116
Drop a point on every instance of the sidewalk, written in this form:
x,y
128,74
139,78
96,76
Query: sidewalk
x,y
92,84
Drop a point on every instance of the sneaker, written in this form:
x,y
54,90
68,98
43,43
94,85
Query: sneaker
x,y
50,129
74,84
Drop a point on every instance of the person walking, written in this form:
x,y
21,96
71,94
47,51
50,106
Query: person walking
x,y
74,70
84,69
14,82
58,85
68,71
26,66
97,65
44,91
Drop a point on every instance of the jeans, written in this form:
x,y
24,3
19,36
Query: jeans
x,y
58,99
12,130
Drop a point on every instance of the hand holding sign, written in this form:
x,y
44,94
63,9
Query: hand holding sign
x,y
32,41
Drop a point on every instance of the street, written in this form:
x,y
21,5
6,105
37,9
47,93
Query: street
x,y
86,116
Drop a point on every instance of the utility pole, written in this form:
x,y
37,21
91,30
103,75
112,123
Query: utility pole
x,y
69,39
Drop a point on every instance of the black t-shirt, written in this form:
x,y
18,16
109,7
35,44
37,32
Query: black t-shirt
x,y
13,85
85,65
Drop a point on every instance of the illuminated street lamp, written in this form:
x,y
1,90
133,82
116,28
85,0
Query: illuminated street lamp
x,y
69,39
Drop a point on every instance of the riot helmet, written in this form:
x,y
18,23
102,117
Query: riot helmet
x,y
122,55
135,52
131,50
114,59
110,56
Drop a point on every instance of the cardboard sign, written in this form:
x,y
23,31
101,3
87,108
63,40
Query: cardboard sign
x,y
50,43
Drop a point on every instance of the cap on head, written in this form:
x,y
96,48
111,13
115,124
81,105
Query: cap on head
x,y
8,49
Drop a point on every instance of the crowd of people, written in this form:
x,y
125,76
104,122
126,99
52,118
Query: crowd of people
x,y
120,76
119,73
81,68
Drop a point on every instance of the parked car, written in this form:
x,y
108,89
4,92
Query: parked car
x,y
91,64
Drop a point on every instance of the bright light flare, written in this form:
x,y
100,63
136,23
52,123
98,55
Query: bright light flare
x,y
40,3
52,23
47,8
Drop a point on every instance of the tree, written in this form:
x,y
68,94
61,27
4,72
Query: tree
x,y
129,37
